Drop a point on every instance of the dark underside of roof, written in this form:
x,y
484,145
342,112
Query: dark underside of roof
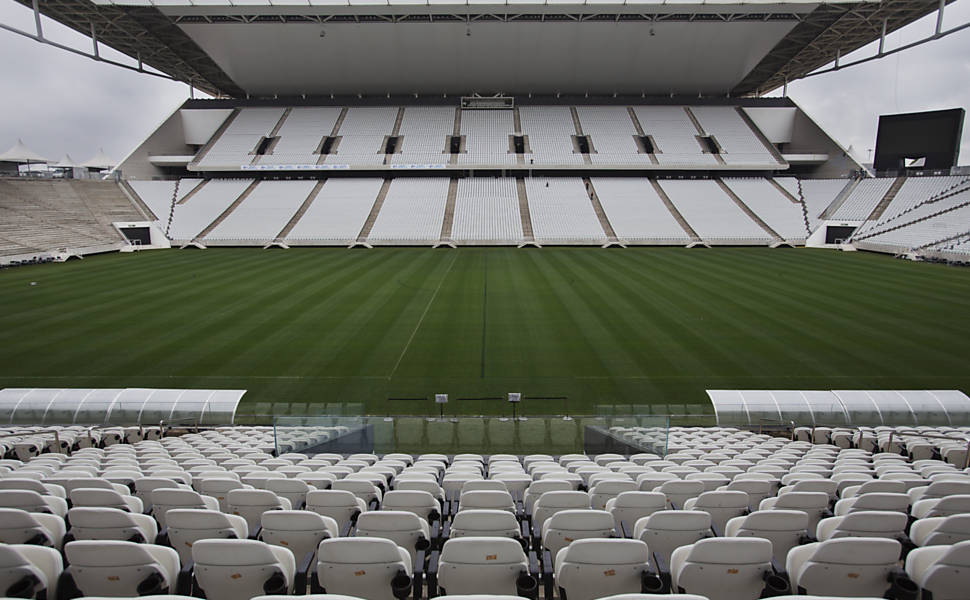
x,y
146,33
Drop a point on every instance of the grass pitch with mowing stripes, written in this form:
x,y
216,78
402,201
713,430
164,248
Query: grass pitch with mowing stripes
x,y
573,329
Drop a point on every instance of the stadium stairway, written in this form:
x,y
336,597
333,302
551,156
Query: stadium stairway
x,y
528,235
695,238
700,131
776,238
372,217
449,220
215,137
640,131
579,131
839,200
611,238
887,199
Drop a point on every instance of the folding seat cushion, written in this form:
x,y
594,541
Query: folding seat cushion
x,y
29,571
785,529
566,526
814,504
604,491
99,497
421,503
725,568
538,488
299,530
96,523
488,499
251,504
553,502
629,507
340,505
485,565
119,569
941,507
372,568
485,523
722,506
234,569
873,501
186,526
365,490
588,569
867,524
678,492
844,567
665,530
165,499
37,529
405,529
31,501
935,531
941,570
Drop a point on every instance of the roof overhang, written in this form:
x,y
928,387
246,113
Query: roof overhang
x,y
284,48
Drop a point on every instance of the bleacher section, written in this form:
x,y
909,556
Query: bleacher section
x,y
713,214
772,206
922,231
237,144
817,194
262,215
674,136
157,195
739,144
549,130
413,212
915,192
192,217
301,135
425,131
487,212
338,213
562,212
611,132
637,213
832,512
362,135
863,199
486,134
38,216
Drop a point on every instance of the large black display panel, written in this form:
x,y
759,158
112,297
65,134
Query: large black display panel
x,y
934,136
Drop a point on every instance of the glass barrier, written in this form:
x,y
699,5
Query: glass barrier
x,y
621,434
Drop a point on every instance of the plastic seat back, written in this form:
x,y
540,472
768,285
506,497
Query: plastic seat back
x,y
233,569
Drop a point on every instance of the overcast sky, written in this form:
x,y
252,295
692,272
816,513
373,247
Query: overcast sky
x,y
59,102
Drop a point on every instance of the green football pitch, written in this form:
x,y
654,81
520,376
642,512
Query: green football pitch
x,y
575,330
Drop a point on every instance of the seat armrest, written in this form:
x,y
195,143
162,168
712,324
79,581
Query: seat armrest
x,y
160,540
66,586
548,570
255,533
302,572
348,527
417,579
445,534
435,534
662,569
717,532
183,584
901,587
432,574
806,539
315,586
625,530
374,504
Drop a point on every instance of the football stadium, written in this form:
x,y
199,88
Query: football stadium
x,y
488,300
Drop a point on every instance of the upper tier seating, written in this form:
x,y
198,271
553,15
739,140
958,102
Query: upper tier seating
x,y
739,145
486,134
301,135
362,136
612,135
237,144
425,132
550,132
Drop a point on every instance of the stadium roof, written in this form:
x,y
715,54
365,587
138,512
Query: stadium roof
x,y
267,48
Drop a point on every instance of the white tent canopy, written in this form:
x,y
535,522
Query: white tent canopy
x,y
841,407
21,154
129,406
100,161
67,163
